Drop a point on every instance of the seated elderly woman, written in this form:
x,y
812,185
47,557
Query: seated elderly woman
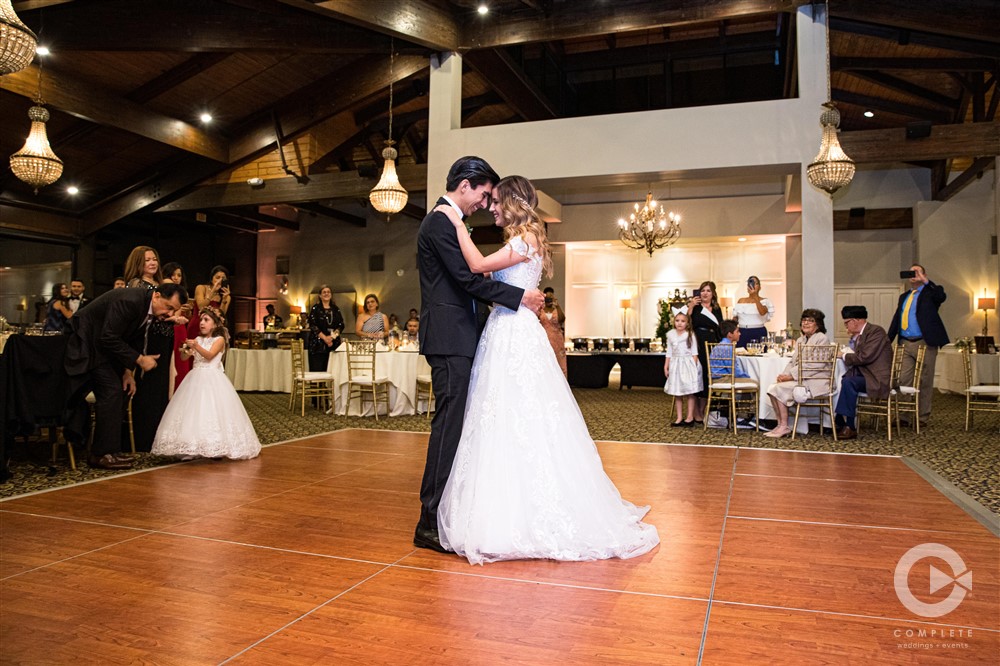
x,y
813,333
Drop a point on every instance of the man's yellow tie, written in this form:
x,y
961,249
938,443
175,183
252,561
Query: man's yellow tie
x,y
906,311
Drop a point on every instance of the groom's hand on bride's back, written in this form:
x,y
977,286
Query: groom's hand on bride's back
x,y
533,300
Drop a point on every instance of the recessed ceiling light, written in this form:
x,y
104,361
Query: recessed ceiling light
x,y
42,50
742,239
869,114
205,117
483,9
73,189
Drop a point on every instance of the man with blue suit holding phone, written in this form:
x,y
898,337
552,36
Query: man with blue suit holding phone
x,y
918,324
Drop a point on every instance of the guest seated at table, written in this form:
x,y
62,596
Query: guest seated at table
x,y
869,367
58,313
372,324
721,363
752,312
272,320
326,323
817,382
413,328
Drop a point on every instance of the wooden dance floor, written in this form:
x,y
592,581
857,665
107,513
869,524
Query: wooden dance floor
x,y
304,556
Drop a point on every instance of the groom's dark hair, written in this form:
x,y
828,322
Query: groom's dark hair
x,y
474,169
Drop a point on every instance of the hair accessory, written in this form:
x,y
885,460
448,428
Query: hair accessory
x,y
521,200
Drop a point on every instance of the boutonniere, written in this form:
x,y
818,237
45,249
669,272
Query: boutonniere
x,y
468,228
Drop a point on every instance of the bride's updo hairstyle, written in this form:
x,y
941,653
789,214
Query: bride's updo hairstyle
x,y
517,208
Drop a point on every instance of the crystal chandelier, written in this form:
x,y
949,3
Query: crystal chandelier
x,y
831,169
389,196
17,42
648,229
35,163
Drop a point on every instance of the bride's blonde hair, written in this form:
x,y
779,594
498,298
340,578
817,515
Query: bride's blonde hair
x,y
518,200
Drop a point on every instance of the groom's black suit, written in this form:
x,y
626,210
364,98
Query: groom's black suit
x,y
106,339
448,338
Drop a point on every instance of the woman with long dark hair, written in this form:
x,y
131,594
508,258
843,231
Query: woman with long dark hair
x,y
58,314
706,317
174,272
326,323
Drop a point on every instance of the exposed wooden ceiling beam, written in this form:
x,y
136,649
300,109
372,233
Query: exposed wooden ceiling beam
x,y
857,219
332,213
965,19
572,20
512,84
946,141
899,108
202,25
19,218
963,179
87,101
28,5
906,87
253,213
416,21
922,64
322,186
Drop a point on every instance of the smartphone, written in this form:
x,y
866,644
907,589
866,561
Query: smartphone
x,y
548,300
906,275
224,283
695,293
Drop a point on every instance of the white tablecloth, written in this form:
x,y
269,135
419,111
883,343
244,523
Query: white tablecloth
x,y
949,375
271,370
765,369
260,369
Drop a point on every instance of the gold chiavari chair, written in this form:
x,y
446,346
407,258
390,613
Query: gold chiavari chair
x,y
908,397
363,381
978,397
425,391
738,392
879,408
818,362
308,384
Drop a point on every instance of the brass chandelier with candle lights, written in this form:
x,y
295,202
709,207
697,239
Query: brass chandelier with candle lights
x,y
649,229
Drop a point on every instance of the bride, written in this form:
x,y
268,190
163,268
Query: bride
x,y
527,481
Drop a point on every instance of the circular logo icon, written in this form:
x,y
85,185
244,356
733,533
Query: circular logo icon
x,y
960,579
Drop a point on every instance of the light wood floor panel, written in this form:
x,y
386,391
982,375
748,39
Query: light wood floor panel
x,y
911,504
28,541
741,635
182,588
418,617
850,570
161,599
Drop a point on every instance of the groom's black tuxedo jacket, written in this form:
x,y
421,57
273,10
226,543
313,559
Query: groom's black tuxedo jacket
x,y
447,289
108,330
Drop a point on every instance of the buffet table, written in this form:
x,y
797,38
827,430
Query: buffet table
x,y
592,369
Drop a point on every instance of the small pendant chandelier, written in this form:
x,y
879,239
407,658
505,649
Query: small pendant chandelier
x,y
831,169
648,229
17,42
389,196
35,163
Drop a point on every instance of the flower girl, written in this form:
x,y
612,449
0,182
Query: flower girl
x,y
681,368
205,418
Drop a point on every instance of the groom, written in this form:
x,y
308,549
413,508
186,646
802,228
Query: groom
x,y
448,332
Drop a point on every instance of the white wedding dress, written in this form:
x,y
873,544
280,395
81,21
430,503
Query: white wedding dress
x,y
205,418
527,481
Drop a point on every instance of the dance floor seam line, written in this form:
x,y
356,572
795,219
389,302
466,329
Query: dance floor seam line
x,y
815,478
825,453
306,614
274,549
718,557
861,616
73,557
852,525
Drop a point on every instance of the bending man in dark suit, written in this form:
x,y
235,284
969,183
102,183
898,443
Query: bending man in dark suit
x,y
448,328
107,341
869,366
918,324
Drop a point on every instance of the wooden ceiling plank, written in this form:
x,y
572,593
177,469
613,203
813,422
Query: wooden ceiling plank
x,y
962,180
902,85
572,20
415,21
512,84
946,141
899,108
84,100
22,219
332,213
840,63
322,186
964,19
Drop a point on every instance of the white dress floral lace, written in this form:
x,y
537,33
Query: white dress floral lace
x,y
528,481
205,418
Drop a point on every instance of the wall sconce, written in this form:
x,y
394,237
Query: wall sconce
x,y
726,302
625,303
296,312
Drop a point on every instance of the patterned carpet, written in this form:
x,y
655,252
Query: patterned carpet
x,y
970,461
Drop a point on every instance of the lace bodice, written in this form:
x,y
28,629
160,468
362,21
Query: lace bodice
x,y
199,360
525,274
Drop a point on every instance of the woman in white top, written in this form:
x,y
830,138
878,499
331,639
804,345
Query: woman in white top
x,y
752,312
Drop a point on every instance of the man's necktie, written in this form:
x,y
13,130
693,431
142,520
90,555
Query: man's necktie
x,y
905,322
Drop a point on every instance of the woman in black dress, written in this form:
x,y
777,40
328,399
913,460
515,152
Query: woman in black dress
x,y
326,323
706,316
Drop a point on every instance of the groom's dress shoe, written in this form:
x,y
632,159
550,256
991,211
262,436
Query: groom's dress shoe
x,y
108,461
123,457
428,538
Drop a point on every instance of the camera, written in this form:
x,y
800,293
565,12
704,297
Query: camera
x,y
548,300
906,275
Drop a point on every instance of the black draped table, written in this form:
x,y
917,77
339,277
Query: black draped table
x,y
592,369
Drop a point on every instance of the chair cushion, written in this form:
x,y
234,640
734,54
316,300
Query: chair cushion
x,y
738,385
985,389
908,390
317,376
366,380
426,379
